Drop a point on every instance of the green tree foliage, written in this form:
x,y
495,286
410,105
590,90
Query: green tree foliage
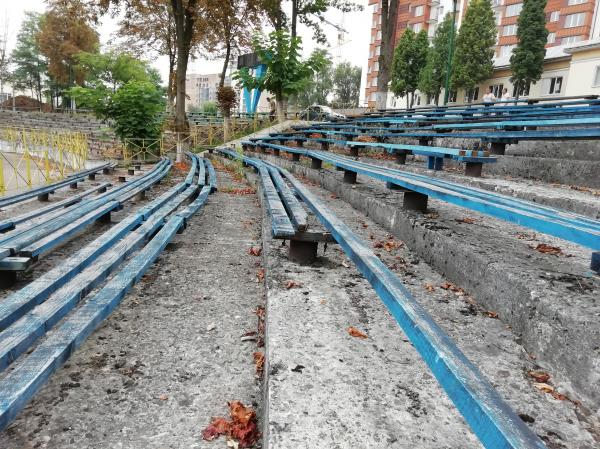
x,y
318,87
472,62
29,64
527,59
346,85
124,90
287,74
433,75
409,60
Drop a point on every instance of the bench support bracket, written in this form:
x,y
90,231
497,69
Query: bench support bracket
x,y
276,151
498,148
349,177
401,157
303,252
316,163
473,169
435,163
43,197
415,201
325,146
353,151
295,157
595,266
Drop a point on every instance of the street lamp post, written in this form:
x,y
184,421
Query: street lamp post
x,y
450,54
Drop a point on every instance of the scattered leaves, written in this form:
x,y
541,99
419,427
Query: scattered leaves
x,y
255,251
238,191
467,220
241,427
542,386
259,363
378,244
430,288
316,136
548,249
333,196
525,236
292,284
365,139
392,244
539,376
491,314
432,215
354,332
260,275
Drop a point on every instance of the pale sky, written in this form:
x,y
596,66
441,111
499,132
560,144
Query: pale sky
x,y
354,49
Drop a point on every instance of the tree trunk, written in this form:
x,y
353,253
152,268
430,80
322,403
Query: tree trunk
x,y
184,30
281,108
389,10
294,17
225,63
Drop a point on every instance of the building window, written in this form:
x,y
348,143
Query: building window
x,y
472,95
597,77
576,2
374,82
416,27
379,35
514,9
376,66
509,30
554,16
552,86
378,50
551,38
575,20
497,89
418,11
496,3
506,50
498,16
571,40
523,91
417,100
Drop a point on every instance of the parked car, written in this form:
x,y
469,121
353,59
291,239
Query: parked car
x,y
320,112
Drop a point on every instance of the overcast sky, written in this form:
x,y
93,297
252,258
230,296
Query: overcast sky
x,y
354,49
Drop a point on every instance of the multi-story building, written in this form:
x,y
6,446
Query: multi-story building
x,y
201,89
568,22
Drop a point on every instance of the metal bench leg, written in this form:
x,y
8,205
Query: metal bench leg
x,y
130,171
401,158
140,195
92,176
498,148
122,179
210,151
276,151
435,163
339,168
303,252
424,142
73,185
295,157
300,143
393,186
325,146
353,151
415,201
102,189
316,163
595,265
380,139
43,197
349,177
106,218
8,279
473,169
137,167
106,171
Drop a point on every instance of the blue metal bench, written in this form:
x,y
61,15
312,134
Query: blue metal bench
x,y
42,192
64,286
490,418
418,188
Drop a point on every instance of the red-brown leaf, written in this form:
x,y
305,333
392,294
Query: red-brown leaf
x,y
356,333
218,426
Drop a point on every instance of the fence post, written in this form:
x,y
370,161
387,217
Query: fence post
x,y
27,167
2,185
179,157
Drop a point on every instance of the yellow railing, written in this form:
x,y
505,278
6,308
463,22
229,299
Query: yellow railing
x,y
32,157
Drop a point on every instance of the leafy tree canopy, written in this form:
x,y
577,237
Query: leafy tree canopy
x,y
473,58
29,64
346,84
433,75
409,60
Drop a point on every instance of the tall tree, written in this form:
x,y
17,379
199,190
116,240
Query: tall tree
x,y
346,84
527,59
29,64
473,59
148,27
389,20
409,60
286,73
311,13
4,59
433,75
319,86
66,31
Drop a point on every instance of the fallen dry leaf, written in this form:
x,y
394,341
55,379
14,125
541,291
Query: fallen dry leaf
x,y
345,264
539,376
391,245
259,363
547,249
431,215
378,244
255,251
163,397
292,284
491,314
364,225
356,333
365,138
241,427
467,220
322,301
261,275
218,426
430,288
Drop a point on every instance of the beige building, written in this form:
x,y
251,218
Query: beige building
x,y
201,89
